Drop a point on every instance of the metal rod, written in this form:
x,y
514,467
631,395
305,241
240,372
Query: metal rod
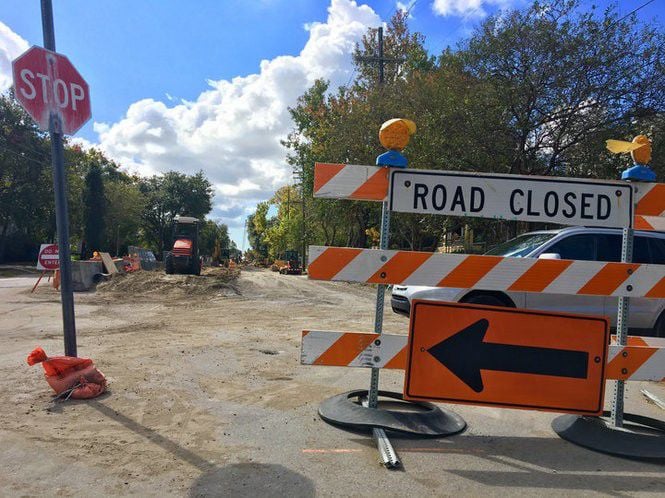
x,y
622,328
47,25
380,297
303,227
60,190
386,450
387,453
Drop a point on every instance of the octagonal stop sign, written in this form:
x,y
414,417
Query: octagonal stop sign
x,y
46,83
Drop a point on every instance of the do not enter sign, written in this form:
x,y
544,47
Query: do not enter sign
x,y
48,258
47,83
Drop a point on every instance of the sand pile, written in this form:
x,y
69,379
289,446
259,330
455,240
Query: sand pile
x,y
213,282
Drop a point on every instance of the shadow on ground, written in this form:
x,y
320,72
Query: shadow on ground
x,y
252,479
533,462
243,479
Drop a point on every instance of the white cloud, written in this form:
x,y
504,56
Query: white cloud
x,y
232,131
81,142
466,8
407,6
11,46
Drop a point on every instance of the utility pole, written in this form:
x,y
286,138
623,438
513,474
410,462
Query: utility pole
x,y
244,234
302,210
379,59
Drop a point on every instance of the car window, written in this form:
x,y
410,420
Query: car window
x,y
580,247
657,250
609,247
520,246
641,250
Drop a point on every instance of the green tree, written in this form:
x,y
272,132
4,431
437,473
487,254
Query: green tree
x,y
257,228
170,195
94,210
26,199
532,91
214,234
565,79
124,206
285,231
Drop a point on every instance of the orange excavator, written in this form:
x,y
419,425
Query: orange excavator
x,y
184,257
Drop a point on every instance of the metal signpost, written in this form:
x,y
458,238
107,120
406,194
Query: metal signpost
x,y
58,99
622,326
386,450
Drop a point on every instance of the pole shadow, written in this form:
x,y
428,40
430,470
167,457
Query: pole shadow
x,y
252,479
243,479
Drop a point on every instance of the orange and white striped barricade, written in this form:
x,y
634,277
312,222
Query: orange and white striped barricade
x,y
352,182
371,183
649,206
554,276
642,360
340,181
565,201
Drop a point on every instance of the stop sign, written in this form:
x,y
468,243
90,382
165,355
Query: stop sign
x,y
47,83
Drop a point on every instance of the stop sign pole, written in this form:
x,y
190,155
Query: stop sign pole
x,y
57,97
61,210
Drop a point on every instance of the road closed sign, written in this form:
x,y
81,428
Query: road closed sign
x,y
510,197
461,353
48,258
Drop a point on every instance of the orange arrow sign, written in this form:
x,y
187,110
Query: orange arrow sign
x,y
485,355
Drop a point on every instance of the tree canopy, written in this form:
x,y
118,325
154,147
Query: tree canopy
x,y
531,91
108,208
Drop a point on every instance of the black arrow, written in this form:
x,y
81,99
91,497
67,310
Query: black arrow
x,y
465,354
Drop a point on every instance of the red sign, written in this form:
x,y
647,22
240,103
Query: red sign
x,y
484,355
48,258
47,83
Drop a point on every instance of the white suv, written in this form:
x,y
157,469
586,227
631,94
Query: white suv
x,y
646,316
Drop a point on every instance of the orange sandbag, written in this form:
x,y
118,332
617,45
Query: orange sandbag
x,y
68,373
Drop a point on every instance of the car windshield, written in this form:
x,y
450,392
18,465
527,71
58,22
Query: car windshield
x,y
520,246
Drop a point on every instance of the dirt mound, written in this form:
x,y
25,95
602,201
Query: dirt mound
x,y
213,282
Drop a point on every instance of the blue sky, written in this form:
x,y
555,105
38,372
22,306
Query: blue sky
x,y
205,84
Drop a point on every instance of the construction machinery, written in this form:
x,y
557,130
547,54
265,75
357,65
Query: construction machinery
x,y
184,257
278,264
292,264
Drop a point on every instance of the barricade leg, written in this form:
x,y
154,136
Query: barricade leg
x,y
365,412
645,437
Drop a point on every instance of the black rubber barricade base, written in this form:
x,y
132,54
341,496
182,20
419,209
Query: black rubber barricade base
x,y
413,418
642,438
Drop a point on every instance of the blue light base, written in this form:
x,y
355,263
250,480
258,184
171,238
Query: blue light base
x,y
392,158
639,173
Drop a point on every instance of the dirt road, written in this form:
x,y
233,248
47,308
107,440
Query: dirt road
x,y
207,398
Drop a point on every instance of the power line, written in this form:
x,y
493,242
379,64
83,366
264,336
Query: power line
x,y
27,158
634,10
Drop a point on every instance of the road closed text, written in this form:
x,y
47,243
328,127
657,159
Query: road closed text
x,y
586,205
571,202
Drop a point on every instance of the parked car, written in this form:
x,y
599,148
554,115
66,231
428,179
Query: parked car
x,y
646,317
